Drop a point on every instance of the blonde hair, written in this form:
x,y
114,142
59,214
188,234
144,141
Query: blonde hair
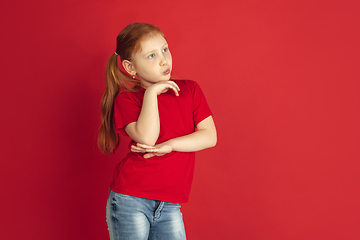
x,y
128,42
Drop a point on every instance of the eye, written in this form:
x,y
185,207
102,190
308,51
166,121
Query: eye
x,y
165,49
151,56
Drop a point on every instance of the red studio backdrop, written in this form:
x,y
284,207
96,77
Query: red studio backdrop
x,y
282,80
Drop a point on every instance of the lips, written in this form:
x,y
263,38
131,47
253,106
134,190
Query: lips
x,y
167,71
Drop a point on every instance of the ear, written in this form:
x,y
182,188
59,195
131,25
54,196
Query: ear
x,y
129,67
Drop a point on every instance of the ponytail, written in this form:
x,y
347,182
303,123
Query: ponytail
x,y
116,81
128,42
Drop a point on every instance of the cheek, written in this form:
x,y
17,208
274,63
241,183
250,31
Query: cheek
x,y
148,70
144,66
169,57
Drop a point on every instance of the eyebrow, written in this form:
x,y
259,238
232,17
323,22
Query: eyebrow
x,y
155,49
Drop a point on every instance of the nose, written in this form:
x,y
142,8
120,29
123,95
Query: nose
x,y
163,61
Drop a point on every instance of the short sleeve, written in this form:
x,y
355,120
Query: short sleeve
x,y
126,110
201,108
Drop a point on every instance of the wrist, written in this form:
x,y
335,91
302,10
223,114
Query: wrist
x,y
150,91
171,144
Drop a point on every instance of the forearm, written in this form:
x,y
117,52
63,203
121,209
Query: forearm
x,y
195,141
205,137
147,127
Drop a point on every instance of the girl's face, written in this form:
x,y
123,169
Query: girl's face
x,y
153,62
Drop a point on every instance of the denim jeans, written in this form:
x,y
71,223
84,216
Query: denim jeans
x,y
136,218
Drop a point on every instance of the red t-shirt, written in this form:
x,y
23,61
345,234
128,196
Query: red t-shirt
x,y
169,177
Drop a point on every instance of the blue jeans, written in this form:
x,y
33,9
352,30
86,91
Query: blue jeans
x,y
136,218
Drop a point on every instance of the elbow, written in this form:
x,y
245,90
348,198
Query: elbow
x,y
210,138
141,135
149,141
147,137
144,139
213,140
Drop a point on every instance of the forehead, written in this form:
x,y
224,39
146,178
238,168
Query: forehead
x,y
152,42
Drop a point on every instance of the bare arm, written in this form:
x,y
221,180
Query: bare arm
x,y
147,128
204,137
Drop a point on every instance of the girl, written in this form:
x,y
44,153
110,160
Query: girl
x,y
167,120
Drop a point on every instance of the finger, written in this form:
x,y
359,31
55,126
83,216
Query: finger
x,y
151,150
165,90
175,90
149,155
141,145
170,85
174,83
137,149
175,87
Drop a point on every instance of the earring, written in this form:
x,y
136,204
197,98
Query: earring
x,y
133,76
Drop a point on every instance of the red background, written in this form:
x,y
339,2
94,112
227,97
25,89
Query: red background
x,y
281,77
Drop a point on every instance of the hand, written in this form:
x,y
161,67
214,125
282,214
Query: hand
x,y
157,150
164,86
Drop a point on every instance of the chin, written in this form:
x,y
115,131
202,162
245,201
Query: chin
x,y
167,78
